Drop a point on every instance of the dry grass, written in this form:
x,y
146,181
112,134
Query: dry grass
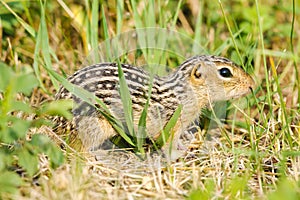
x,y
121,175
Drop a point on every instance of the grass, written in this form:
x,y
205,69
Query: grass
x,y
253,154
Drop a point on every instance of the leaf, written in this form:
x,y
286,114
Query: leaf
x,y
5,159
56,155
9,182
47,147
286,189
59,107
14,132
20,106
40,141
25,83
238,185
6,74
2,161
203,193
29,161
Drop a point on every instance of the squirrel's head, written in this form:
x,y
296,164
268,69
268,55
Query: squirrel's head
x,y
218,78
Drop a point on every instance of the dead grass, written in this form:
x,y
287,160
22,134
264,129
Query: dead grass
x,y
121,175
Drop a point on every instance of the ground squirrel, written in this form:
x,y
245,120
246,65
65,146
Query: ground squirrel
x,y
197,82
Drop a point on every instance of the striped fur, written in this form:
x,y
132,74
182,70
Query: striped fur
x,y
184,86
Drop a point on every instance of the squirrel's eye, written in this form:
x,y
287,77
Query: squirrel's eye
x,y
225,72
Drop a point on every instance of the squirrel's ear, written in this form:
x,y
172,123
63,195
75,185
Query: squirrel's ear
x,y
196,72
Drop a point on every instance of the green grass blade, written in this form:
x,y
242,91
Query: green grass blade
x,y
197,38
150,38
137,19
108,56
140,29
165,135
175,18
292,50
120,10
269,95
142,134
37,57
231,35
45,43
150,17
126,101
282,105
94,28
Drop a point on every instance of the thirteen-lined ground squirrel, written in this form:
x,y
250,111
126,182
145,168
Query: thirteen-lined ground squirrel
x,y
197,82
